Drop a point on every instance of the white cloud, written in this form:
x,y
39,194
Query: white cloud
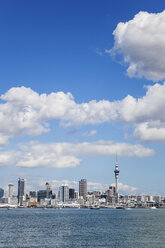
x,y
150,131
8,158
148,108
68,155
123,188
141,41
27,112
64,155
90,133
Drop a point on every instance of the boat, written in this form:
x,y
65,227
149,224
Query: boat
x,y
120,207
9,208
95,207
152,207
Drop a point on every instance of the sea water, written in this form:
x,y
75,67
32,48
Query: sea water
x,y
72,228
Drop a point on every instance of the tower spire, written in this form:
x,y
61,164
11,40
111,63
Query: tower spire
x,y
116,171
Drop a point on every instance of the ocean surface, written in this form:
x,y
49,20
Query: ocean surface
x,y
67,228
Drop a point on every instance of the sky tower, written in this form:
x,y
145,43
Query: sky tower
x,y
116,171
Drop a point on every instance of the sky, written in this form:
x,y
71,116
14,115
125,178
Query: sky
x,y
79,82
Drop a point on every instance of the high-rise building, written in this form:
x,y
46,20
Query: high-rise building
x,y
41,194
33,194
10,190
112,190
48,190
83,188
21,191
1,192
71,193
76,195
64,193
44,194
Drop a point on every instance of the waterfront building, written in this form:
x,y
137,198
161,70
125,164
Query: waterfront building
x,y
48,190
71,194
1,192
112,200
44,194
12,200
90,200
112,190
103,196
157,199
10,190
21,191
83,188
4,200
33,194
76,195
64,193
111,193
41,194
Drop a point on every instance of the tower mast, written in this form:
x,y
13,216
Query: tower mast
x,y
116,171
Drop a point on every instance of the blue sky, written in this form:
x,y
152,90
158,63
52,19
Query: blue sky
x,y
80,47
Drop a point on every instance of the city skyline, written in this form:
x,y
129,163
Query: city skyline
x,y
81,82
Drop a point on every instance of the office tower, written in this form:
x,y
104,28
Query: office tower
x,y
21,190
44,194
10,190
112,191
41,194
64,193
33,194
71,193
1,192
76,195
48,190
83,188
116,171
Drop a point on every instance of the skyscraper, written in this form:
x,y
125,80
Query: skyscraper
x,y
48,190
64,193
71,193
1,192
112,191
83,188
10,190
21,190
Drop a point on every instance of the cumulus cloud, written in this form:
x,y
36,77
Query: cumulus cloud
x,y
67,155
150,131
123,188
148,108
25,112
8,158
141,41
64,155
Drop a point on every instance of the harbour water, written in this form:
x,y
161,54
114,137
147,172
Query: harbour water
x,y
74,228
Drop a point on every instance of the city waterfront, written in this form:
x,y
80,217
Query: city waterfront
x,y
82,228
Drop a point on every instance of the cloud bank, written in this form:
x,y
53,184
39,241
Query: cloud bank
x,y
25,112
141,42
67,155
